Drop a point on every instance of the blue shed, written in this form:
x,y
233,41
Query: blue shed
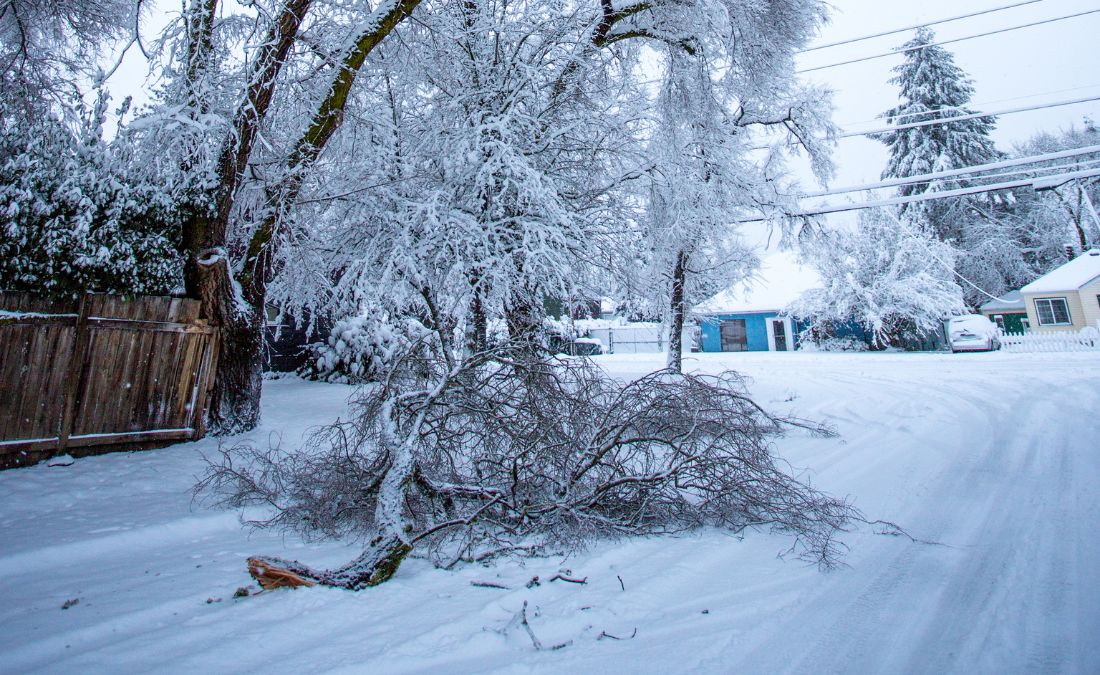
x,y
749,317
747,332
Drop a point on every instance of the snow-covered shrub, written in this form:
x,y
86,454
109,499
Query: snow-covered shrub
x,y
357,350
836,344
76,217
566,337
889,276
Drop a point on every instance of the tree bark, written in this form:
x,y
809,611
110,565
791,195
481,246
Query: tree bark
x,y
377,564
677,312
234,404
235,399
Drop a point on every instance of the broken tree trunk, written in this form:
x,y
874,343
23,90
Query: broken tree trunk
x,y
376,565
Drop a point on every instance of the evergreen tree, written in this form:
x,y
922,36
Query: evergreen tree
x,y
934,88
77,216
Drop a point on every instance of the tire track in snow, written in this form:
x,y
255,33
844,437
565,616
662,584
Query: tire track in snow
x,y
966,601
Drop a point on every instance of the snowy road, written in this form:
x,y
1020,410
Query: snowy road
x,y
996,457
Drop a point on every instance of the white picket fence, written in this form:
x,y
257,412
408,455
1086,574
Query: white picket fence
x,y
1084,340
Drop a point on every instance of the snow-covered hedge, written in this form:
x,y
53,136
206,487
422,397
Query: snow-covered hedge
x,y
76,216
835,344
357,350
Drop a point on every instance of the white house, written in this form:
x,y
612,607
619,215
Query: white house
x,y
1067,298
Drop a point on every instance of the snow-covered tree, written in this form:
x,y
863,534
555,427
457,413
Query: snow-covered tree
x,y
78,215
703,172
1067,212
890,276
47,47
933,88
252,100
494,152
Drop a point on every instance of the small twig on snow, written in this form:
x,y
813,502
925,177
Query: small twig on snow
x,y
605,634
569,579
488,584
534,640
894,530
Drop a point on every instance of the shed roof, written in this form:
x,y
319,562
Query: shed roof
x,y
1012,301
779,282
1069,277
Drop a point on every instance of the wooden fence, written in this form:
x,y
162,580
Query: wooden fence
x,y
100,374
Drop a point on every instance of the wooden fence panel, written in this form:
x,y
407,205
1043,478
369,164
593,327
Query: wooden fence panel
x,y
107,371
33,361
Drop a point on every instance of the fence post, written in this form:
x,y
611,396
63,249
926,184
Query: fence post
x,y
73,374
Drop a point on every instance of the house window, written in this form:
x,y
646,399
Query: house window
x,y
1052,311
1000,319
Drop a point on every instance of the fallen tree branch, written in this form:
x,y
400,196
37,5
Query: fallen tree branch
x,y
534,640
569,579
605,634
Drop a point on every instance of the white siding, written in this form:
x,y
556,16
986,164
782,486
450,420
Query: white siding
x,y
1090,303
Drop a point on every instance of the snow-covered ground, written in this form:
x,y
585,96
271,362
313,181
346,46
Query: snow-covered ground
x,y
994,456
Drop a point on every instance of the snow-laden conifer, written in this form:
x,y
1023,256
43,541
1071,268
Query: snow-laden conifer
x,y
932,87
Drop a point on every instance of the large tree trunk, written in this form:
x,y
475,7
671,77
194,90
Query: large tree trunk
x,y
676,314
235,399
239,309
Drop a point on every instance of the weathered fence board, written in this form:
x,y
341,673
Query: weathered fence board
x,y
100,373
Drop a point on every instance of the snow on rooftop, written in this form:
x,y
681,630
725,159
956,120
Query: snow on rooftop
x,y
779,282
1013,300
1069,277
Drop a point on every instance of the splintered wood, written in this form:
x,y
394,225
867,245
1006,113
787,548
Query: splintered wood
x,y
271,577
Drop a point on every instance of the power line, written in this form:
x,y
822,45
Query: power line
x,y
957,108
915,26
971,116
947,42
1035,174
1044,181
949,120
978,168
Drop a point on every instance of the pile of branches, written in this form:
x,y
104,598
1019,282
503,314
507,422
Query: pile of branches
x,y
502,455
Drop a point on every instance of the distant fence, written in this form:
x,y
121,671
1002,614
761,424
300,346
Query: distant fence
x,y
1085,340
100,373
637,338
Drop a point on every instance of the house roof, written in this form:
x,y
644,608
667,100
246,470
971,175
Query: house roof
x,y
779,282
1009,302
1069,277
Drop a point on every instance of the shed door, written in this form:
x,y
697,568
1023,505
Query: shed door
x,y
735,338
779,328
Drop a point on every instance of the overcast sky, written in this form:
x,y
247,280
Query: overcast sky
x,y
1030,66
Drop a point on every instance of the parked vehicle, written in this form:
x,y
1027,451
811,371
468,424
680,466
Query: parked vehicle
x,y
972,333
